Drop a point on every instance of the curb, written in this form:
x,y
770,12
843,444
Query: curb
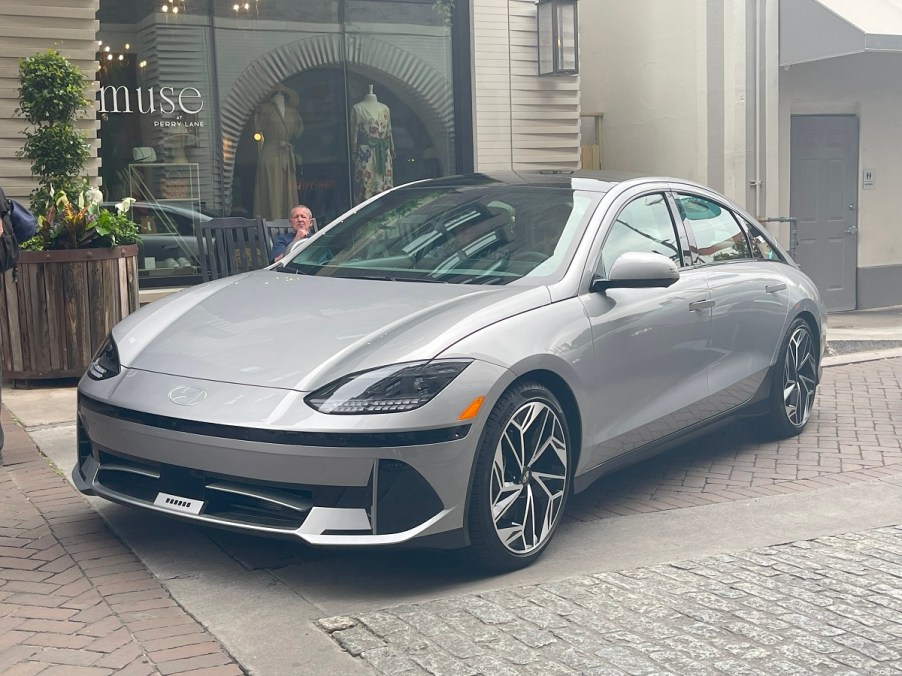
x,y
856,357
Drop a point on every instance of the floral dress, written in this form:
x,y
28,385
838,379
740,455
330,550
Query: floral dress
x,y
372,150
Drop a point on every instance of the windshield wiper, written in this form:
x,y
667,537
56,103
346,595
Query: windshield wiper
x,y
391,278
291,267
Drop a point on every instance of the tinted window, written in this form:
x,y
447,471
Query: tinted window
x,y
717,234
644,225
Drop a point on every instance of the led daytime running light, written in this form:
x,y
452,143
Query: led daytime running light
x,y
389,389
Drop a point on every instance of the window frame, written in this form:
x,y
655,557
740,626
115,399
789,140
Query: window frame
x,y
678,230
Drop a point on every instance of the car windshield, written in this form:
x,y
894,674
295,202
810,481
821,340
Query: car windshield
x,y
494,234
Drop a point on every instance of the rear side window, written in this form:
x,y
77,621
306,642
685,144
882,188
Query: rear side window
x,y
716,232
761,248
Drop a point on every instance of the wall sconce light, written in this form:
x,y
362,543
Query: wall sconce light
x,y
174,6
557,23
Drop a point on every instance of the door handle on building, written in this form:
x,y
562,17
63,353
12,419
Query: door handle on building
x,y
852,230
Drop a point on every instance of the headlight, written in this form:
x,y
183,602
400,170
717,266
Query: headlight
x,y
106,362
388,389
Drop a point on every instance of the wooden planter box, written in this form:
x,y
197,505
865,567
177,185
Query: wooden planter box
x,y
63,306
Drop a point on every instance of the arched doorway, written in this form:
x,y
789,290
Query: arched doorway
x,y
328,74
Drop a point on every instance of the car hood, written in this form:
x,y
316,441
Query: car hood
x,y
300,332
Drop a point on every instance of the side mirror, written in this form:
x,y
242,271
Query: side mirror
x,y
639,270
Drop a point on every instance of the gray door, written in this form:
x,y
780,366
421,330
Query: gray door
x,y
824,197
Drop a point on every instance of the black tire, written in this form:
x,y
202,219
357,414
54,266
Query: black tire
x,y
795,382
529,416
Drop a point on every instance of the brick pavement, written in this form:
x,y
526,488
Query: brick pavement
x,y
831,605
74,600
855,434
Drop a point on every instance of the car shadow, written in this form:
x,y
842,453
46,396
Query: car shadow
x,y
679,477
338,577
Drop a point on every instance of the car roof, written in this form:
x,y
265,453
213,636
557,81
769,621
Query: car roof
x,y
592,181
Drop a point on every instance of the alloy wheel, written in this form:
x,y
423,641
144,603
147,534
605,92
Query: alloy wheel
x,y
529,477
799,377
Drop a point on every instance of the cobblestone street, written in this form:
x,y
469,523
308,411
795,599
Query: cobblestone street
x,y
828,606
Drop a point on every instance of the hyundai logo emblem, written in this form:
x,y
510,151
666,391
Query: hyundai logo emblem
x,y
186,395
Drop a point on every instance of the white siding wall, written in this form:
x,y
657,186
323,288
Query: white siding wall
x,y
27,27
521,121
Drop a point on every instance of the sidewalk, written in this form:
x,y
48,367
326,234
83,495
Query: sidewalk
x,y
863,330
74,600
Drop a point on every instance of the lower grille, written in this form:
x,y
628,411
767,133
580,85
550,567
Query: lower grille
x,y
228,499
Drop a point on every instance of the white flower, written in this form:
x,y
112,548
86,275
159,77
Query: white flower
x,y
125,204
94,196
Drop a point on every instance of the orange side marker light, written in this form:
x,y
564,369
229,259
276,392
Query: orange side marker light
x,y
470,411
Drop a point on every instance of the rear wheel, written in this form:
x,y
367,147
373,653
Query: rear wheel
x,y
795,382
522,478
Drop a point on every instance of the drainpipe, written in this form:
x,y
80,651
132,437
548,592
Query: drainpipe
x,y
758,182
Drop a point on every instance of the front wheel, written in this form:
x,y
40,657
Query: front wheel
x,y
795,382
521,480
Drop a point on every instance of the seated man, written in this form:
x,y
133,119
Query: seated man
x,y
301,220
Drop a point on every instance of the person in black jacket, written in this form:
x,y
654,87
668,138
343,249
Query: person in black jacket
x,y
22,226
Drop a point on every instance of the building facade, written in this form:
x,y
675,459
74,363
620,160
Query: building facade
x,y
226,107
787,106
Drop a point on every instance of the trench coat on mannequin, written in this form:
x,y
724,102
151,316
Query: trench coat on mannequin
x,y
276,182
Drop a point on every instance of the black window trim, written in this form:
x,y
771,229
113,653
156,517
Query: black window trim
x,y
675,221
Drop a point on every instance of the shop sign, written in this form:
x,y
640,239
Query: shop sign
x,y
165,100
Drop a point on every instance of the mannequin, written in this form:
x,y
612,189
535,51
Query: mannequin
x,y
372,147
278,123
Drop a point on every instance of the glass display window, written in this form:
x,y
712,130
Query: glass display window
x,y
215,108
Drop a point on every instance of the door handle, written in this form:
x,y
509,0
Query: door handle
x,y
697,305
773,288
852,229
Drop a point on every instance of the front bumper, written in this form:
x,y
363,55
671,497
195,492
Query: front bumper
x,y
336,488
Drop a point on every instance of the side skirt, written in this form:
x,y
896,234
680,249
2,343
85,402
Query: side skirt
x,y
752,407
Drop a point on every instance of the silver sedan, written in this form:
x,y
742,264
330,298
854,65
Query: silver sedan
x,y
445,364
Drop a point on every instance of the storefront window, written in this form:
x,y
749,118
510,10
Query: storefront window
x,y
231,107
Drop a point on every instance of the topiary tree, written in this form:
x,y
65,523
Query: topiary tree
x,y
51,98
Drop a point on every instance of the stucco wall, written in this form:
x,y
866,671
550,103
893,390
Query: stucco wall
x,y
643,67
869,85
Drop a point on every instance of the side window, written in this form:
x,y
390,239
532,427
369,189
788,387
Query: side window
x,y
643,225
717,234
761,248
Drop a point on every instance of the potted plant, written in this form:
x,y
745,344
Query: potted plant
x,y
77,276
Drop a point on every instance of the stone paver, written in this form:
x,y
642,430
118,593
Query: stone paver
x,y
831,605
855,434
73,598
